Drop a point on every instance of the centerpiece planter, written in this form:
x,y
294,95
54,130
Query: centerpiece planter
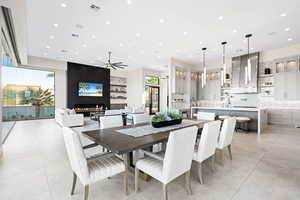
x,y
166,123
168,118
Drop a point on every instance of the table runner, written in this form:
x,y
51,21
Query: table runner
x,y
149,129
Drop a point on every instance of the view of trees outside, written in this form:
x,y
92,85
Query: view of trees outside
x,y
27,94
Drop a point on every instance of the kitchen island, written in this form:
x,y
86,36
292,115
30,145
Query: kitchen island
x,y
259,117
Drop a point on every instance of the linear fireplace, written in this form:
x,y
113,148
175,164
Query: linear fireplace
x,y
86,109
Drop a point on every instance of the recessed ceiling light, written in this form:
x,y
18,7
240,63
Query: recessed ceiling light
x,y
48,47
200,43
138,35
283,15
84,45
121,44
63,5
290,39
51,37
287,29
94,36
55,25
184,33
161,21
220,18
129,2
107,22
235,31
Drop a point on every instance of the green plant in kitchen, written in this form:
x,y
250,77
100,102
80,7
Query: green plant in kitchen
x,y
166,116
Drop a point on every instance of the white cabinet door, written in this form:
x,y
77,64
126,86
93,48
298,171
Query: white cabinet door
x,y
298,86
279,83
291,80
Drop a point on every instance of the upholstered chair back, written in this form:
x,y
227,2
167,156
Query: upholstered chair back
x,y
140,118
206,116
112,112
227,131
179,153
111,121
208,141
76,155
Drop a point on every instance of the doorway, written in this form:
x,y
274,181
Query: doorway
x,y
152,99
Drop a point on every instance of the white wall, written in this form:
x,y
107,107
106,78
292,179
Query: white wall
x,y
135,88
60,69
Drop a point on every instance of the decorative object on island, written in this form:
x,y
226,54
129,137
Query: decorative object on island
x,y
168,118
223,71
267,71
116,65
248,68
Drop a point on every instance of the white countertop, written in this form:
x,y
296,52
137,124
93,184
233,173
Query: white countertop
x,y
230,108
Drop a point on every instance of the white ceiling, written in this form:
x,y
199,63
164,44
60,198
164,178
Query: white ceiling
x,y
186,24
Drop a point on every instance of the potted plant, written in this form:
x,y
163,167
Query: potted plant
x,y
168,118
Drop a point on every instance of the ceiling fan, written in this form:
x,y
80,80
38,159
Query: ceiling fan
x,y
116,65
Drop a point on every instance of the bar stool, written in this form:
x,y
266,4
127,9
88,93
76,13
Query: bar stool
x,y
242,123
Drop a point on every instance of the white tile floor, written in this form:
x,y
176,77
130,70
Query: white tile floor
x,y
35,167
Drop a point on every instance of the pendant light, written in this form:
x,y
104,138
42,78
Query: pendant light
x,y
224,70
248,68
204,68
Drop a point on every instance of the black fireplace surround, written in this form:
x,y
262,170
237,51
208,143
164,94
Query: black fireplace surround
x,y
84,73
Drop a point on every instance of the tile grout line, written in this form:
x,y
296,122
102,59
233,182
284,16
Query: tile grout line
x,y
247,177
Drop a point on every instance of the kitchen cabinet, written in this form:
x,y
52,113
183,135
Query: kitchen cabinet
x,y
211,91
286,86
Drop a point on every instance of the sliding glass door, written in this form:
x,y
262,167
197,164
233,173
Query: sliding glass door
x,y
27,94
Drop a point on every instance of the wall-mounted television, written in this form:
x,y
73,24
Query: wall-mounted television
x,y
90,89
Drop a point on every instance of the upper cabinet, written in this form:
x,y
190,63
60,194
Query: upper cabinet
x,y
287,78
239,74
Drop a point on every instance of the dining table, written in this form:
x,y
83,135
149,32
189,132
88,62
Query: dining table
x,y
116,142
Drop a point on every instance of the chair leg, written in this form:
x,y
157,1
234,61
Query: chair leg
x,y
188,182
200,173
74,183
229,150
222,157
86,192
137,173
213,166
165,192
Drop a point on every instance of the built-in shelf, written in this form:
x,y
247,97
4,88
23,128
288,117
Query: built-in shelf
x,y
266,86
118,85
266,75
124,92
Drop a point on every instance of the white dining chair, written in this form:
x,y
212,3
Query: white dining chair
x,y
206,148
140,118
226,135
112,112
90,170
206,116
176,161
111,121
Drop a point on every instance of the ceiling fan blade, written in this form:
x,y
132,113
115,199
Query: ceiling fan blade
x,y
117,63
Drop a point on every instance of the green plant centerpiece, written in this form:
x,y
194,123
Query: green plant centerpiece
x,y
167,118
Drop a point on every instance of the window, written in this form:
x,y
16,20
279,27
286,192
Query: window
x,y
27,94
151,80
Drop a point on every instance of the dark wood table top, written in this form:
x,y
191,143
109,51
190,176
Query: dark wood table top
x,y
120,143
